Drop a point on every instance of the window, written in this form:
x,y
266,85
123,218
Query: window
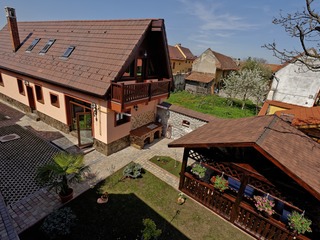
x,y
47,46
174,65
67,53
39,94
20,86
54,100
1,80
122,118
33,44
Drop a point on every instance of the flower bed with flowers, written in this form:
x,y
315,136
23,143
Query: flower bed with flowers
x,y
264,204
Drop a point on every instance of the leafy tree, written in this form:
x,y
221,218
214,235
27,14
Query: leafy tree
x,y
304,25
260,65
246,84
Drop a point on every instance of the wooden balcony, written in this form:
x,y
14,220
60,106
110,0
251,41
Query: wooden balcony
x,y
126,95
242,214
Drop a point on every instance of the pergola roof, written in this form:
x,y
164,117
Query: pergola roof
x,y
286,147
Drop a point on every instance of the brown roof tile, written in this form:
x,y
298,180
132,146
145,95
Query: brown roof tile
x,y
175,54
200,77
302,116
99,46
290,149
226,63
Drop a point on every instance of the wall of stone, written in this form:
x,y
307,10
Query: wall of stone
x,y
142,119
112,147
15,103
176,125
53,122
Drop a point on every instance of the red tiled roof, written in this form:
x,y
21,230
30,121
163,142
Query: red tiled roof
x,y
101,50
187,52
200,77
288,148
175,54
302,116
274,67
226,63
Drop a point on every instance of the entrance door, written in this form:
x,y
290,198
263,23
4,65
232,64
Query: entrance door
x,y
32,103
84,127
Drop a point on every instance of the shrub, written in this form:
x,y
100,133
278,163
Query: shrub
x,y
132,170
59,223
150,230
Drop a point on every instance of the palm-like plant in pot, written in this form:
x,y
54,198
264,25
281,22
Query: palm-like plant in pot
x,y
65,169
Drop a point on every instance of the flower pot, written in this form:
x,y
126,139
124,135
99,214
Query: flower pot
x,y
67,197
180,200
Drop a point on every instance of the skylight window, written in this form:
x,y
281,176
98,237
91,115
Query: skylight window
x,y
68,51
33,44
47,46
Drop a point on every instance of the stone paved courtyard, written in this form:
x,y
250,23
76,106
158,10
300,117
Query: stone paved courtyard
x,y
19,159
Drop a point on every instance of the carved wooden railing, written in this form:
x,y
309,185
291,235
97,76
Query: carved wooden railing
x,y
246,217
126,93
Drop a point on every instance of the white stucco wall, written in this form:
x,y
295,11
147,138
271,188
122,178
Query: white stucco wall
x,y
205,63
295,84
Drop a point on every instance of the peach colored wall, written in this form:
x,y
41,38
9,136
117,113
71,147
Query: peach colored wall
x,y
104,123
11,90
115,132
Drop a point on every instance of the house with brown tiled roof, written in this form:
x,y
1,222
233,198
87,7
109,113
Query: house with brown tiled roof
x,y
207,71
181,59
261,156
100,79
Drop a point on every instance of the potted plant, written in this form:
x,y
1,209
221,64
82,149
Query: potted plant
x,y
264,204
219,183
299,223
65,169
181,198
198,170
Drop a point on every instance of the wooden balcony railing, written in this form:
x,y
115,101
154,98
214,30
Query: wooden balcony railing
x,y
129,94
245,217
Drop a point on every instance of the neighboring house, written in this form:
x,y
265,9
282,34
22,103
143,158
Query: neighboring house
x,y
295,84
100,79
181,59
258,156
207,71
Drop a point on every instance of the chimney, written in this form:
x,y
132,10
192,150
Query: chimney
x,y
13,28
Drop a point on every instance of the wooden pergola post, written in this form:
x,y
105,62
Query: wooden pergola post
x,y
235,209
183,166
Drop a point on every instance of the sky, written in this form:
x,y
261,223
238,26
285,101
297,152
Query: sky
x,y
236,28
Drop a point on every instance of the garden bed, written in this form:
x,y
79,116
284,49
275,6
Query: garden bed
x,y
131,201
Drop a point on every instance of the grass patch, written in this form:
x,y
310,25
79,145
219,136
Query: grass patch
x,y
167,163
213,105
131,201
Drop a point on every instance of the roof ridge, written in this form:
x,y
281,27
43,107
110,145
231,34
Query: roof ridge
x,y
266,131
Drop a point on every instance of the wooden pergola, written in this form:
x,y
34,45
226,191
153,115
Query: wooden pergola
x,y
261,156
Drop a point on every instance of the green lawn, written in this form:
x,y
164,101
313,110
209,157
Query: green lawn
x,y
131,201
167,163
212,104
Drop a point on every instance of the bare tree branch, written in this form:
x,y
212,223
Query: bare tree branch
x,y
304,25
